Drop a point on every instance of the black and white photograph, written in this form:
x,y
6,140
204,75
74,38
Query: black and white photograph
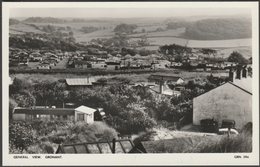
x,y
140,78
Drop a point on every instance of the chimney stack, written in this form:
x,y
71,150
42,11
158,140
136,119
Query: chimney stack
x,y
244,72
231,75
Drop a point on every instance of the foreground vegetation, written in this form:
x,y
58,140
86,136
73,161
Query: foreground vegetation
x,y
44,136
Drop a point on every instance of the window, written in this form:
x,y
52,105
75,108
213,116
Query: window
x,y
80,117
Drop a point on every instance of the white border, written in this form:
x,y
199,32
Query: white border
x,y
134,159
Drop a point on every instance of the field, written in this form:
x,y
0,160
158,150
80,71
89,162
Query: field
x,y
156,38
23,28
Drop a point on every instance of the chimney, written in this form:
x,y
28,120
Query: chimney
x,y
231,75
238,73
113,146
244,72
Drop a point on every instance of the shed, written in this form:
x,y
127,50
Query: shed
x,y
85,114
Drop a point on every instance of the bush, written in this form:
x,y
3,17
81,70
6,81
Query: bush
x,y
41,148
21,135
98,131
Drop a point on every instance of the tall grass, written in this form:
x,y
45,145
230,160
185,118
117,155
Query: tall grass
x,y
240,143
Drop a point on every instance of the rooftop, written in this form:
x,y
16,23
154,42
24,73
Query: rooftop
x,y
86,110
79,81
121,146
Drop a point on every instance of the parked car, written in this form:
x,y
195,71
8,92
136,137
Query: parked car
x,y
209,125
223,131
228,123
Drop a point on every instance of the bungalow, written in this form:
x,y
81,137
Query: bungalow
x,y
82,113
36,56
175,65
113,65
170,79
81,64
79,82
44,66
99,65
229,64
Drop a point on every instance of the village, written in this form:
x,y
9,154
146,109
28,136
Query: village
x,y
113,95
40,59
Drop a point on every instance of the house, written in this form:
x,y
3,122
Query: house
x,y
99,65
177,90
36,56
80,82
81,64
81,113
113,65
103,147
175,64
170,79
229,64
160,65
44,66
232,100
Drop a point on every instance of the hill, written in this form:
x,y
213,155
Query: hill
x,y
44,20
217,29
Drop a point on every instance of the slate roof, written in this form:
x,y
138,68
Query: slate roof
x,y
121,146
86,110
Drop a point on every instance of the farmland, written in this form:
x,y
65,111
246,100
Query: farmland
x,y
156,37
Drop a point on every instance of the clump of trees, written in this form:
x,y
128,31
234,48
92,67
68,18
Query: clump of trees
x,y
237,58
125,28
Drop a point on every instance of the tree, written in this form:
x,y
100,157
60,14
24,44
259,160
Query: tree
x,y
19,85
237,58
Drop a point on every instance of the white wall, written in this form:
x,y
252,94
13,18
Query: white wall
x,y
87,118
19,117
224,102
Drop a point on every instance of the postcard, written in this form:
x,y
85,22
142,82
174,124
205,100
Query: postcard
x,y
130,83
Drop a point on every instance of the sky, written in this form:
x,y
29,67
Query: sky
x,y
125,12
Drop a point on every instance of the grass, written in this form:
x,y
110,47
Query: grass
x,y
201,144
235,144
